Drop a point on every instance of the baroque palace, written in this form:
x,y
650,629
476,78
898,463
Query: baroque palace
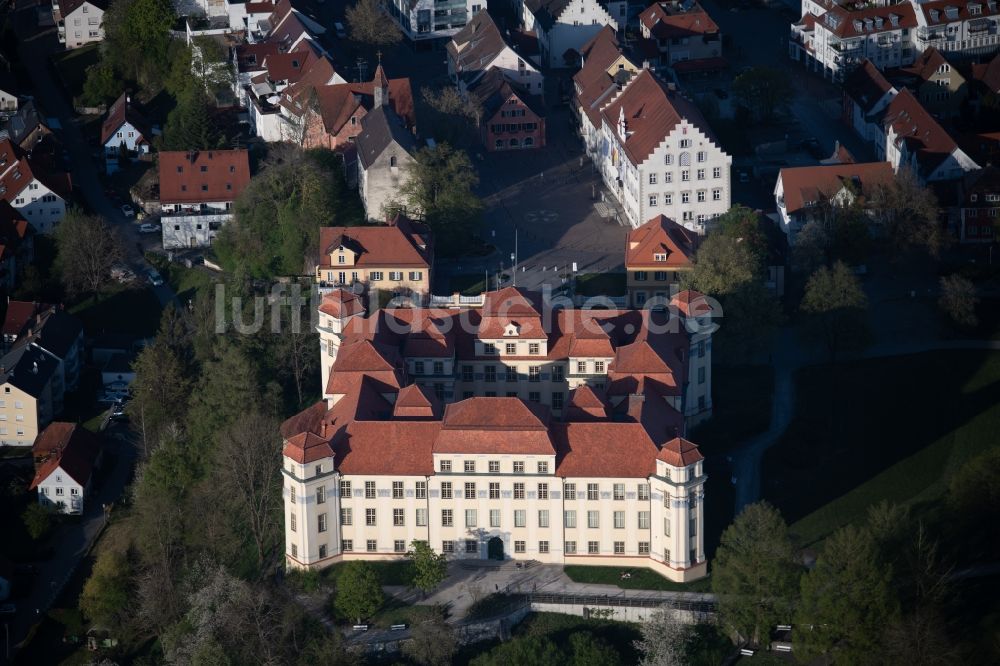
x,y
516,430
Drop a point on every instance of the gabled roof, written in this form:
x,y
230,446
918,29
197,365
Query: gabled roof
x,y
921,133
289,66
56,331
379,129
595,86
805,187
123,111
866,86
20,125
495,425
547,12
679,452
13,229
402,243
188,177
660,236
980,183
666,21
20,315
474,48
845,22
988,74
494,89
927,65
66,446
250,57
936,11
586,403
28,368
651,112
416,402
67,7
17,171
603,449
339,102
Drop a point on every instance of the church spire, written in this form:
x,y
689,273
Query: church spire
x,y
380,85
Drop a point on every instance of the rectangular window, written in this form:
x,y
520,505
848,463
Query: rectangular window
x,y
652,179
321,495
448,547
534,396
494,466
511,376
291,491
534,373
397,490
369,490
370,517
421,490
619,547
469,466
619,517
716,172
570,490
470,491
557,400
518,467
558,373
446,518
375,276
494,517
619,491
398,517
347,545
494,491
543,518
700,174
593,547
421,517
466,373
685,197
471,546
321,522
543,547
322,551
399,546
543,467
666,526
511,348
489,349
445,466
292,521
520,518
470,518
652,201
685,175
569,548
446,490
644,520
534,349
701,375
543,491
346,517
644,548
593,519
716,195
491,373
518,546
518,491
592,493
569,518
701,196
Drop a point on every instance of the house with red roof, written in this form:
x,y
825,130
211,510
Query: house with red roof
x,y
513,431
979,209
867,93
197,191
125,133
936,82
605,71
37,191
511,118
16,244
682,35
66,455
657,253
564,26
479,48
79,22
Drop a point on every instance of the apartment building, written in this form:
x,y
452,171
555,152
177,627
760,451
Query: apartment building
x,y
27,395
479,48
656,254
79,22
603,477
936,83
396,258
197,191
603,75
979,209
37,192
422,20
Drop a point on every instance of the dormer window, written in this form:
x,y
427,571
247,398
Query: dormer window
x,y
975,10
341,259
660,256
973,197
513,328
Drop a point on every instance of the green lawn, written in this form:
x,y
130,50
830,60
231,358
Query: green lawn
x,y
642,579
396,572
887,429
741,407
71,67
600,284
469,284
396,612
129,310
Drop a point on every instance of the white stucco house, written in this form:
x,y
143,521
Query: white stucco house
x,y
564,26
79,22
125,133
66,455
38,194
480,47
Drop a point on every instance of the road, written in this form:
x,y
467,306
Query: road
x,y
35,46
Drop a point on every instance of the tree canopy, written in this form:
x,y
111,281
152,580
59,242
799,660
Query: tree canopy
x,y
837,309
429,568
358,594
86,249
370,23
762,91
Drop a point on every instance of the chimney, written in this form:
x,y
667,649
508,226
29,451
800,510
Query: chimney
x,y
34,368
324,429
645,64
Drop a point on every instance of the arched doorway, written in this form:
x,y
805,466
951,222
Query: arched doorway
x,y
494,548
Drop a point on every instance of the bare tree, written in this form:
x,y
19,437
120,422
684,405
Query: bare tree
x,y
250,457
909,212
371,24
663,640
958,300
86,248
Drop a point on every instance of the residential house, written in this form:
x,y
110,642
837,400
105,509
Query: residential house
x,y
38,193
385,150
955,28
479,47
79,22
986,77
511,118
197,190
914,139
66,455
396,258
340,107
681,34
939,86
657,253
867,94
422,20
563,27
118,373
979,212
659,156
605,71
26,394
802,193
26,129
8,93
19,318
492,435
16,245
55,332
125,133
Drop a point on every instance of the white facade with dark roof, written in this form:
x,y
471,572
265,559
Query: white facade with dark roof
x,y
565,25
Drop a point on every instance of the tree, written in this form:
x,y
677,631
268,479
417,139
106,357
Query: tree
x,y
752,314
38,520
762,91
358,594
86,248
663,640
248,471
746,226
846,601
524,651
137,38
755,572
585,650
837,309
429,568
228,385
370,23
101,85
921,639
211,64
836,233
958,300
432,643
107,595
909,213
974,500
160,390
722,265
189,125
439,185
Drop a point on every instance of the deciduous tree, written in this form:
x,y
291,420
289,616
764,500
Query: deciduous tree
x,y
663,640
38,520
762,90
837,309
358,594
958,300
86,249
909,213
429,568
107,595
432,643
161,389
370,23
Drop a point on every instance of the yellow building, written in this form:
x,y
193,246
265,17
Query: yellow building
x,y
26,394
656,254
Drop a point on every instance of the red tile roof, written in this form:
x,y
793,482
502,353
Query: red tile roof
x,y
922,134
988,74
68,447
586,403
680,453
665,21
805,187
339,102
341,303
866,85
18,170
13,229
840,20
123,111
19,315
203,176
494,425
927,64
289,66
595,87
603,449
250,57
416,402
401,243
962,12
660,235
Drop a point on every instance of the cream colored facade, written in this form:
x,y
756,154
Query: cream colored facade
x,y
22,416
646,282
341,268
657,522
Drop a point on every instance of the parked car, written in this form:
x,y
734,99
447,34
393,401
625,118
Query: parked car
x,y
338,28
154,277
128,211
148,228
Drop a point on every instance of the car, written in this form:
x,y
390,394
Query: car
x,y
154,277
128,211
148,228
338,28
118,413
